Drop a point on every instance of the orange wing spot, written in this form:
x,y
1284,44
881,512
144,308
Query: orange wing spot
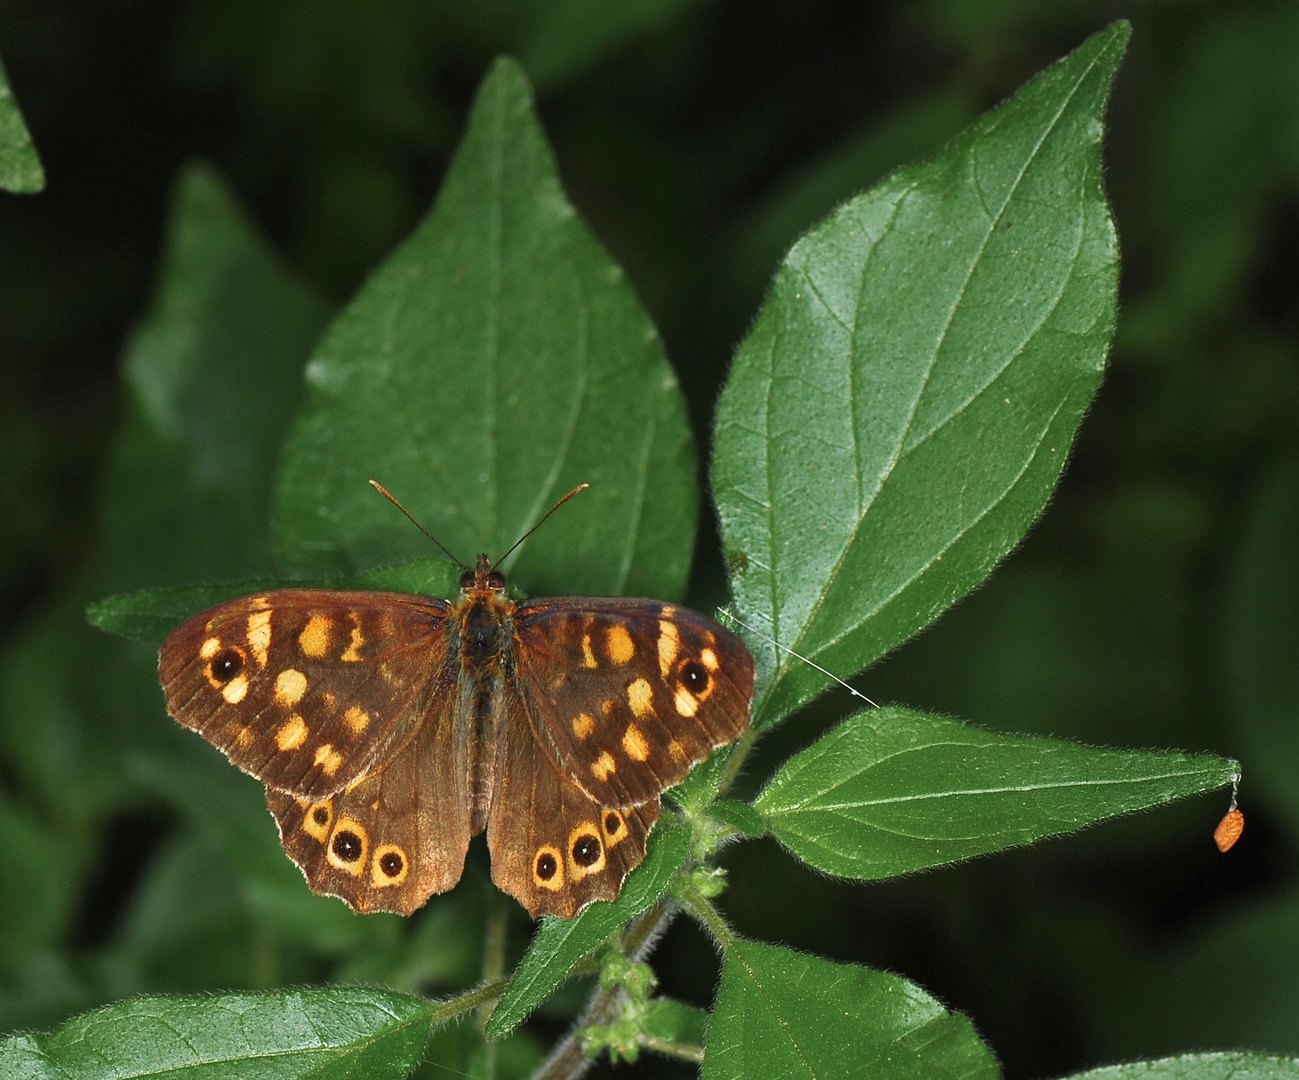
x,y
686,702
1229,830
210,648
290,685
669,646
314,639
357,719
588,657
259,635
236,690
677,752
634,744
243,738
348,846
619,644
328,759
709,659
317,820
351,654
548,868
604,767
292,733
606,707
614,827
640,697
583,725
389,866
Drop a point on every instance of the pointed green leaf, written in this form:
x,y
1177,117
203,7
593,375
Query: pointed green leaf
x,y
890,791
1233,1065
904,404
151,614
212,374
20,168
317,1033
561,943
781,1015
496,360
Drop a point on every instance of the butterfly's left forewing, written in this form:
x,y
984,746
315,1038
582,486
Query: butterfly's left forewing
x,y
307,689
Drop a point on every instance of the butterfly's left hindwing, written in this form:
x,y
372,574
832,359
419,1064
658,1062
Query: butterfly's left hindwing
x,y
307,689
397,837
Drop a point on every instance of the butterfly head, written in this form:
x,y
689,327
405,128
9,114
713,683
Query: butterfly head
x,y
482,579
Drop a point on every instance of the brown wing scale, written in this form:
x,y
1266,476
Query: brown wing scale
x,y
306,689
628,694
394,839
554,849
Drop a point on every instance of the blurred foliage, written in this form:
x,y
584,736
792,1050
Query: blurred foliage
x,y
1148,608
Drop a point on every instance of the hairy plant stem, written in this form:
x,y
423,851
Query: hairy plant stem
x,y
566,1060
469,1000
493,967
702,909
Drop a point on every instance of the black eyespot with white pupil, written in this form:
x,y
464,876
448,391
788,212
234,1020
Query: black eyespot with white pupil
x,y
586,850
226,665
612,823
347,845
546,866
695,676
391,863
320,815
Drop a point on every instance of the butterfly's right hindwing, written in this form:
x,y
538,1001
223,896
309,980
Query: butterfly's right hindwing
x,y
308,690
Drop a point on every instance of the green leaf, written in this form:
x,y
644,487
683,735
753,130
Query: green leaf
x,y
1263,640
151,614
560,943
675,1021
903,406
781,1015
1233,1065
213,374
497,359
317,1033
20,168
890,791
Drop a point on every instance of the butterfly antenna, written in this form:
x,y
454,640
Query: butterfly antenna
x,y
392,499
580,487
727,615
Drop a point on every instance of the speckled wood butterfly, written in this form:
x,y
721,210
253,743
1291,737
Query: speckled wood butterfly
x,y
389,729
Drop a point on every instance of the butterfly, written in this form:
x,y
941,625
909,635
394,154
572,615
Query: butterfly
x,y
389,729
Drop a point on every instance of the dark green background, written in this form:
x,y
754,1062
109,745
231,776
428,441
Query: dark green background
x,y
1155,605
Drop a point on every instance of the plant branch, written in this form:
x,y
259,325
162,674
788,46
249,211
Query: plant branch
x,y
471,999
567,1061
702,909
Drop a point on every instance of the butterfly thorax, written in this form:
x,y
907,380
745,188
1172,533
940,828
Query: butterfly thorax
x,y
484,616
